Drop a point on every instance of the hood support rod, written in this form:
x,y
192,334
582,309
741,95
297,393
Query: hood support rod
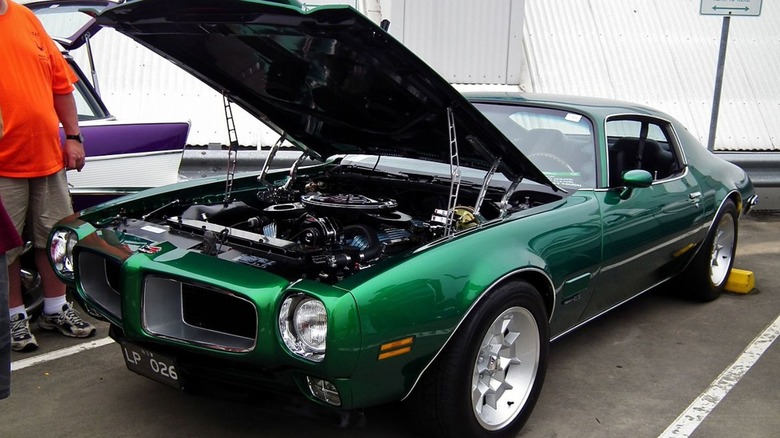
x,y
454,174
485,184
232,149
270,158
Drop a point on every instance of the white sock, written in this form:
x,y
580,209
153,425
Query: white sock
x,y
19,309
53,305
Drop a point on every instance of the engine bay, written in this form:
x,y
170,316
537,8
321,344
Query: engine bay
x,y
326,227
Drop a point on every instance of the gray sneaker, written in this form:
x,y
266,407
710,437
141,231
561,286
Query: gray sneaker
x,y
21,338
68,322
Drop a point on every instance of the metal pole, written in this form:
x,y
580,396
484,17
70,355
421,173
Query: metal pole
x,y
724,39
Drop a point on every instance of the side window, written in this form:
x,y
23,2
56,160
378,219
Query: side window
x,y
88,103
85,110
641,143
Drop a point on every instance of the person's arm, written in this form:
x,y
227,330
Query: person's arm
x,y
72,150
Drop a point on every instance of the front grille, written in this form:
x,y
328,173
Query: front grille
x,y
211,310
198,314
100,281
113,277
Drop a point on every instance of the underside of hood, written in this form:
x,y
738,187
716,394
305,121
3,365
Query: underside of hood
x,y
66,23
329,78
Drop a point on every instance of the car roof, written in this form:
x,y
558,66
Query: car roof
x,y
594,106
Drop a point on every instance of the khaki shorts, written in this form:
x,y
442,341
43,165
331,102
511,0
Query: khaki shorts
x,y
38,202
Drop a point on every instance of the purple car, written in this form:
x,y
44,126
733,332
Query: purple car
x,y
122,157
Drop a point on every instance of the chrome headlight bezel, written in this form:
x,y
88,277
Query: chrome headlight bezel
x,y
61,244
303,326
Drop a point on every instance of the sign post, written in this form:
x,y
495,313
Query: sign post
x,y
726,9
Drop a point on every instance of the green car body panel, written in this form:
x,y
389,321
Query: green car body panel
x,y
396,247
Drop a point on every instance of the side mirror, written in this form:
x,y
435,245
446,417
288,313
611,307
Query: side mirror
x,y
635,179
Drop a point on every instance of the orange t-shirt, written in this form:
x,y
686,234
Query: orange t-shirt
x,y
33,70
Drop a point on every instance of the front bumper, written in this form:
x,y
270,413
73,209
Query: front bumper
x,y
749,204
218,319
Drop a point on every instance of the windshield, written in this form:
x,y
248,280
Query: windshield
x,y
560,143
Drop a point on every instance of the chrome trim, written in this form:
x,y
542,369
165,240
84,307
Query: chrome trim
x,y
655,248
749,204
684,174
607,310
103,191
96,283
162,316
678,145
133,155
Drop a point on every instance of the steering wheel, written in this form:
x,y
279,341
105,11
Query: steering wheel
x,y
558,163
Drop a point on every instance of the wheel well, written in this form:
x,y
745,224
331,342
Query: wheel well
x,y
542,283
734,196
536,277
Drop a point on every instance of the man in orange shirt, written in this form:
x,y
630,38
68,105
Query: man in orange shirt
x,y
36,94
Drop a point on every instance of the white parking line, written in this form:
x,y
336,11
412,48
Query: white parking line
x,y
689,420
46,357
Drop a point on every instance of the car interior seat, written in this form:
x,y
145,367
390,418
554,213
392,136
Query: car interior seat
x,y
624,156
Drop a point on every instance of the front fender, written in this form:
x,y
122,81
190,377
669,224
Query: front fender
x,y
424,297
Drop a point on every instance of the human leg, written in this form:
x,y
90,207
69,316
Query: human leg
x,y
5,332
16,197
50,202
22,338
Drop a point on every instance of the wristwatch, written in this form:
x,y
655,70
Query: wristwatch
x,y
78,137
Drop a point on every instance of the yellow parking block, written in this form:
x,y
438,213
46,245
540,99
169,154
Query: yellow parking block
x,y
740,281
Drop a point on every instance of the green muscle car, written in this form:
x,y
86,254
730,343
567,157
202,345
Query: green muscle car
x,y
427,246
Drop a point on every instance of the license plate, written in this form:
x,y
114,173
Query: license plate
x,y
153,365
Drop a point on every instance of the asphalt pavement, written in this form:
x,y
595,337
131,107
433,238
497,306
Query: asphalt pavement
x,y
633,372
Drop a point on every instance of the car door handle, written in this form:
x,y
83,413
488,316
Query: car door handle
x,y
695,197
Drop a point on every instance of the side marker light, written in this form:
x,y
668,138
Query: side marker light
x,y
395,348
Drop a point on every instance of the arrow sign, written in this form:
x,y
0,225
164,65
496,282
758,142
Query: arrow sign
x,y
723,8
732,8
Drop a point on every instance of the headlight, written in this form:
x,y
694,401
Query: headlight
x,y
61,252
303,324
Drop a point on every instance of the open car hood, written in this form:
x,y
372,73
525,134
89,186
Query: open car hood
x,y
65,22
329,78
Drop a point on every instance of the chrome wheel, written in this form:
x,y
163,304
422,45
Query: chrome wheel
x,y
505,369
722,250
486,381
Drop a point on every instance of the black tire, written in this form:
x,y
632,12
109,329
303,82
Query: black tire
x,y
451,399
706,276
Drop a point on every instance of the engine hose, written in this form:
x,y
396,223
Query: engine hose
x,y
372,251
